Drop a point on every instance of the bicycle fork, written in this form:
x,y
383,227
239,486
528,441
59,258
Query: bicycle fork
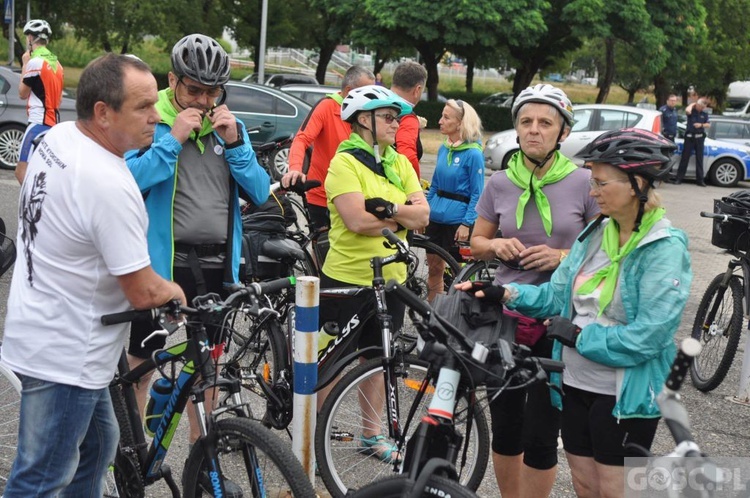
x,y
708,327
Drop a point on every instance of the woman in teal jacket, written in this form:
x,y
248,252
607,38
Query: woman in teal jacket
x,y
616,303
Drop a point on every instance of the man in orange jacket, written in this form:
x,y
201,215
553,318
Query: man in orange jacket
x,y
408,82
317,140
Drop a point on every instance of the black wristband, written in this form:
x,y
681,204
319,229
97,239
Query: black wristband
x,y
233,145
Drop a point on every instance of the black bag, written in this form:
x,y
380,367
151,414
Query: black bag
x,y
481,321
278,204
7,250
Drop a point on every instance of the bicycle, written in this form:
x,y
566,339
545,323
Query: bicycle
x,y
237,448
686,471
458,365
720,316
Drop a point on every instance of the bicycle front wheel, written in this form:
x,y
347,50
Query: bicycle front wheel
x,y
258,351
10,406
419,270
250,456
718,326
341,462
394,487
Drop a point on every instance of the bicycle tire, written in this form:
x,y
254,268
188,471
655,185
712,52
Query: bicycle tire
x,y
10,406
478,270
123,479
257,349
342,467
416,280
720,338
235,437
302,224
394,487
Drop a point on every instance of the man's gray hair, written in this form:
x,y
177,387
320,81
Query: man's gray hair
x,y
103,80
354,74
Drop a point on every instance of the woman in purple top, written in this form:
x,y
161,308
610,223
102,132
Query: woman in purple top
x,y
540,204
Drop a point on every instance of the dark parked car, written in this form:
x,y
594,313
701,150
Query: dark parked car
x,y
281,79
276,115
13,117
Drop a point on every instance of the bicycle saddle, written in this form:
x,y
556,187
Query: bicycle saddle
x,y
282,249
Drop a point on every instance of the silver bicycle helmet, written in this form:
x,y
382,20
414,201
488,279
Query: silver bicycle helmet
x,y
202,59
39,28
545,94
371,97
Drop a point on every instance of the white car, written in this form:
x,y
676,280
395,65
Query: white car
x,y
591,120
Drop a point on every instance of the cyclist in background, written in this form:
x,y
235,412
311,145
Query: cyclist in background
x,y
541,203
370,187
408,83
316,142
82,254
189,176
42,84
457,183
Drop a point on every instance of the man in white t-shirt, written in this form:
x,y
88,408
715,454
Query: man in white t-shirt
x,y
82,254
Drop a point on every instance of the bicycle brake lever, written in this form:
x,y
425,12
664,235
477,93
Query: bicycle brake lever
x,y
156,333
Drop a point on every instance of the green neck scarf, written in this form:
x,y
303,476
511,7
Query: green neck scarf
x,y
48,56
456,148
168,114
611,246
336,96
520,175
388,157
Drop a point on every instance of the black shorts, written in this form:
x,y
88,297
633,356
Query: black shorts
x,y
320,217
341,310
445,237
525,421
184,278
590,430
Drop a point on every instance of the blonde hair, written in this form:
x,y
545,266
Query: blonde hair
x,y
471,124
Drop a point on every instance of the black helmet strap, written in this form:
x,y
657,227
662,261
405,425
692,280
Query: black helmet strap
x,y
642,198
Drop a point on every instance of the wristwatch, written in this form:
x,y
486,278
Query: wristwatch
x,y
394,211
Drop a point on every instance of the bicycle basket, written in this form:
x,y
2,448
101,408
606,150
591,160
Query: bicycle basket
x,y
732,235
7,250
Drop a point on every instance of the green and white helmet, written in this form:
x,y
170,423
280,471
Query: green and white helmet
x,y
545,94
369,98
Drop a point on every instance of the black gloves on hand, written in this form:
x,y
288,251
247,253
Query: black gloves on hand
x,y
563,330
492,293
379,207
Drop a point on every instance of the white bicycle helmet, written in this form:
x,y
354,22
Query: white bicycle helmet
x,y
371,97
202,59
545,94
39,28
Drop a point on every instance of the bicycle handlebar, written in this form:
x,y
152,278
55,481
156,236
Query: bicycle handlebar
x,y
725,217
298,188
255,289
673,411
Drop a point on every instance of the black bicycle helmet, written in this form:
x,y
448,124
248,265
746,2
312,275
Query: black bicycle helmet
x,y
740,199
635,152
631,150
202,59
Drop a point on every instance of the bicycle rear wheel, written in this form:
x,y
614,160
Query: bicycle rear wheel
x,y
250,456
478,270
394,487
718,327
10,406
340,422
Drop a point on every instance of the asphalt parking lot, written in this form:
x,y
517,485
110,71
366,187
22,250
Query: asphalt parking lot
x,y
722,428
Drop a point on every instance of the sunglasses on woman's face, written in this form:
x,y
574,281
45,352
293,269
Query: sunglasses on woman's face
x,y
388,118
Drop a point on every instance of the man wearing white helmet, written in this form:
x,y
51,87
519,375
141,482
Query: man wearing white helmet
x,y
42,84
540,204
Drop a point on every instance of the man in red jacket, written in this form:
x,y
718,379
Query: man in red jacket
x,y
408,82
317,140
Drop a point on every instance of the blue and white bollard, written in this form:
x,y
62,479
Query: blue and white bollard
x,y
305,372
